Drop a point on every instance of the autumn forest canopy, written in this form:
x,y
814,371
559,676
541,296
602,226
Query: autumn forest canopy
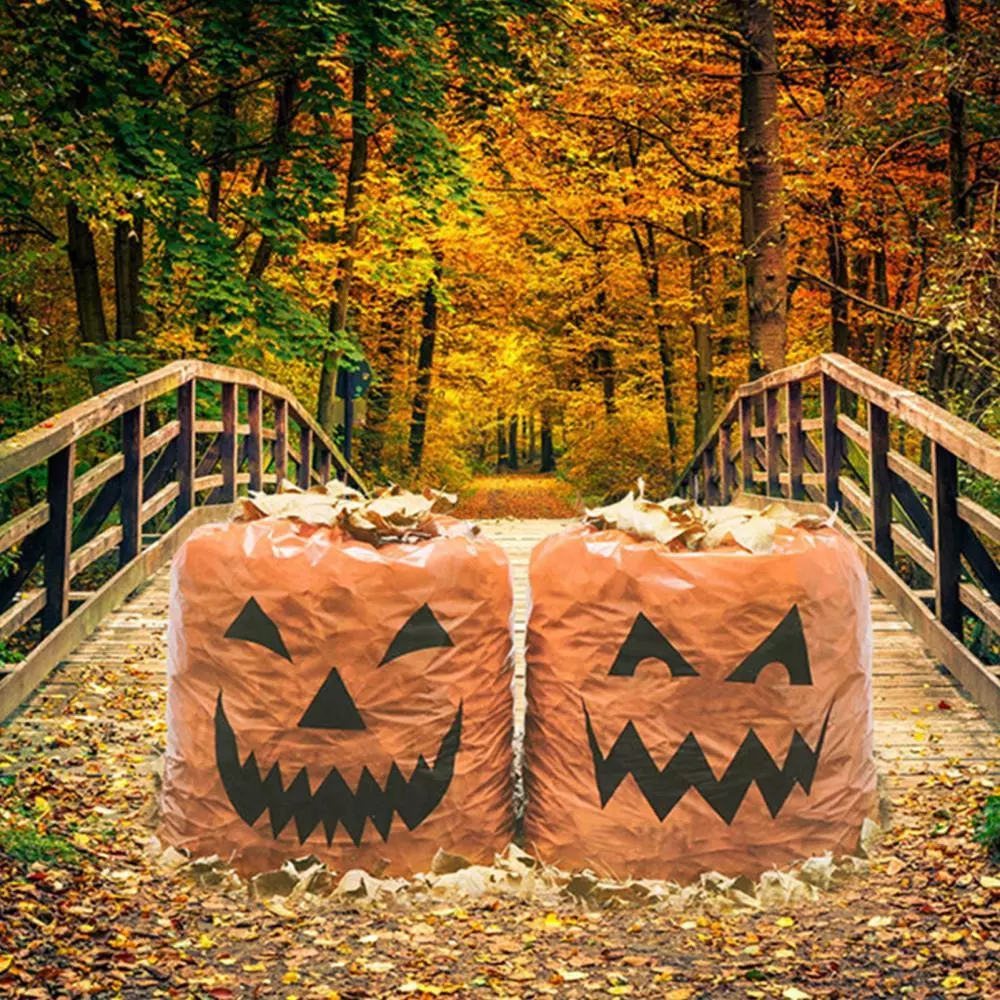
x,y
559,233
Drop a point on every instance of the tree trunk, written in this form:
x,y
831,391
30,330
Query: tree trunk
x,y
380,394
501,439
86,282
766,272
284,115
128,248
696,227
356,170
425,365
547,458
958,150
836,253
532,454
512,459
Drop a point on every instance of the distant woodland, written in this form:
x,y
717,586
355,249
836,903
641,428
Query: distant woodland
x,y
560,233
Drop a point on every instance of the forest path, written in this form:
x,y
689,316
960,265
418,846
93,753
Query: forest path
x,y
77,769
518,495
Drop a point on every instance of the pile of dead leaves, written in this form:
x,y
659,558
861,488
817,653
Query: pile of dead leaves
x,y
392,515
682,524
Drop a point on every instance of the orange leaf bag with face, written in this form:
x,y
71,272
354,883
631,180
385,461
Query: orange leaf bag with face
x,y
332,697
693,711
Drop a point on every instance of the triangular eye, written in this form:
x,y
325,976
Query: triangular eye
x,y
785,645
253,625
420,631
646,642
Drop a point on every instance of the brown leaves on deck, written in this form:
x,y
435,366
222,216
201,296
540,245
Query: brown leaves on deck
x,y
682,524
392,515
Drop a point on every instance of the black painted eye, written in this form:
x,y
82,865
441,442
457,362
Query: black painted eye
x,y
420,631
253,625
645,641
785,645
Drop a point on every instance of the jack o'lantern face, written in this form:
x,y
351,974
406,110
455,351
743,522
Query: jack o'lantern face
x,y
333,708
688,768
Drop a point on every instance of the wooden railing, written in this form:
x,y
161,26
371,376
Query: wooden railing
x,y
139,503
910,524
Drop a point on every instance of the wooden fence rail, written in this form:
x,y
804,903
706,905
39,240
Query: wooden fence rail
x,y
905,520
142,501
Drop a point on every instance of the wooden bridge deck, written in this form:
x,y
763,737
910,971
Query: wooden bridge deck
x,y
111,688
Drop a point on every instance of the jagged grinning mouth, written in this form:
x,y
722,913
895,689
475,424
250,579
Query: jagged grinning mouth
x,y
688,768
333,803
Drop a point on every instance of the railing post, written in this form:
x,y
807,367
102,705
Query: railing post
x,y
58,536
746,443
879,484
707,469
255,440
228,449
832,444
796,489
133,427
185,448
772,443
947,539
305,456
323,464
725,464
280,442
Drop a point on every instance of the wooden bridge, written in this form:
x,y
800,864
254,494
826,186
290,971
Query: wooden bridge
x,y
825,430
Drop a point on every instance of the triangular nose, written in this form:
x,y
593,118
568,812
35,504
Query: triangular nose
x,y
332,708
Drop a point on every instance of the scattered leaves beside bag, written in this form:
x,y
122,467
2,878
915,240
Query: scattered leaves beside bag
x,y
679,523
392,515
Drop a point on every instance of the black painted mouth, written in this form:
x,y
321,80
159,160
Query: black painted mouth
x,y
688,768
413,799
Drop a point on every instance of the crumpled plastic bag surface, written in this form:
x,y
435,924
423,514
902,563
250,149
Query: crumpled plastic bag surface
x,y
328,697
695,711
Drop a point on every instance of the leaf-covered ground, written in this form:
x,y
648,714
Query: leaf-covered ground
x,y
518,495
87,910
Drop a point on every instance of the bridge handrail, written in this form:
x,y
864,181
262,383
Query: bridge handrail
x,y
879,491
158,476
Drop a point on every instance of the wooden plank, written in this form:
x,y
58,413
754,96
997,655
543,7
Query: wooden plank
x,y
23,525
775,380
796,487
254,440
89,481
158,501
186,395
22,612
305,457
832,444
911,472
29,448
160,437
853,430
17,685
98,546
983,686
852,493
133,423
323,465
966,442
920,553
746,443
879,486
912,506
772,443
280,440
947,539
981,605
979,560
980,518
228,442
58,536
300,413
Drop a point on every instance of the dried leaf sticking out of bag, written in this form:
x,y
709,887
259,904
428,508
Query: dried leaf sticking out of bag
x,y
682,524
392,515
